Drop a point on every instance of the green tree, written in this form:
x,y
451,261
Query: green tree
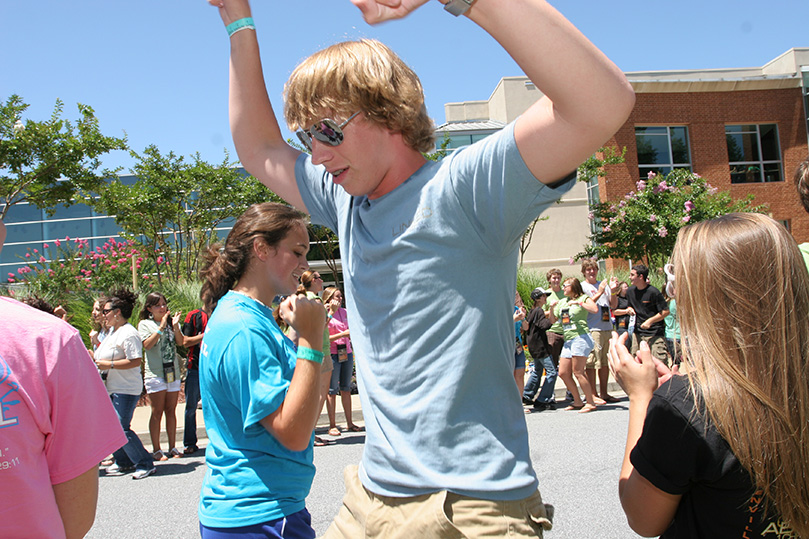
x,y
173,207
644,224
51,162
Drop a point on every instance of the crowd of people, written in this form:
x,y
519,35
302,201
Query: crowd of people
x,y
570,326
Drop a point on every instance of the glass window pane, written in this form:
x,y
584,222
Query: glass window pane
x,y
20,213
769,143
679,145
745,173
735,151
748,146
653,149
650,130
772,172
20,233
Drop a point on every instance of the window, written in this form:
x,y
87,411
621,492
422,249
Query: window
x,y
661,149
754,153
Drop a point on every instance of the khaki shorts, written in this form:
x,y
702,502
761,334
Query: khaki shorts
x,y
657,343
440,514
599,356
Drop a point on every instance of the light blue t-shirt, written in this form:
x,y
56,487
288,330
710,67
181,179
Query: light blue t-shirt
x,y
245,370
672,324
429,270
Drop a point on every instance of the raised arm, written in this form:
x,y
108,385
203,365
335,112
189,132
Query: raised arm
x,y
586,97
256,134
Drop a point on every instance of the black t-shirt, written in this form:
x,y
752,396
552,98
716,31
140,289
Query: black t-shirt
x,y
679,454
537,338
647,303
194,324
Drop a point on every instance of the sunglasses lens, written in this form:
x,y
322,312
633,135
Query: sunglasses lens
x,y
303,136
327,131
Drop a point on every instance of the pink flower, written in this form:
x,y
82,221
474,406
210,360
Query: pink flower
x,y
92,265
27,255
113,267
11,275
591,216
67,238
36,252
688,205
11,279
159,259
651,175
41,260
46,246
57,243
653,218
662,232
686,218
571,261
641,185
607,228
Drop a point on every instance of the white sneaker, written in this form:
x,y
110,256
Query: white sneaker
x,y
140,474
114,469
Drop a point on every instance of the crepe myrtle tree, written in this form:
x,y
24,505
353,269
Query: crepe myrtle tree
x,y
51,162
174,206
643,225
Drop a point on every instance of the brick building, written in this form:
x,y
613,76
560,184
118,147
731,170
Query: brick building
x,y
744,129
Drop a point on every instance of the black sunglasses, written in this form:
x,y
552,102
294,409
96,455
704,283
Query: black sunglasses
x,y
326,131
105,311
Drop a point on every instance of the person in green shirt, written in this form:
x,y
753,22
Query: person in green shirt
x,y
572,311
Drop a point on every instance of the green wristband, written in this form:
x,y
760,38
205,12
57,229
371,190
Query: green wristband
x,y
240,24
310,354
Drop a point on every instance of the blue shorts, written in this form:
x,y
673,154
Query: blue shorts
x,y
295,526
519,360
580,346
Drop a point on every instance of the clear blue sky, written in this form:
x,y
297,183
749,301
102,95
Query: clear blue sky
x,y
157,69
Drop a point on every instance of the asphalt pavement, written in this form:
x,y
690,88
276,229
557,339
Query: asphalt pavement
x,y
577,458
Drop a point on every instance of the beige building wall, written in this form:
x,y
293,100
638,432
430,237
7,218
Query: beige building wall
x,y
565,231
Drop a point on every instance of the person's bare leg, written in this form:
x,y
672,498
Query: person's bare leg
x,y
158,403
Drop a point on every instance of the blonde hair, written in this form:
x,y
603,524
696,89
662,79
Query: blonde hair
x,y
743,304
362,76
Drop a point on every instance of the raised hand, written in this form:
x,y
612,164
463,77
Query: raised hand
x,y
231,10
377,11
306,316
638,376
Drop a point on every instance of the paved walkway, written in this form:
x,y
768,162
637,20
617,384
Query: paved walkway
x,y
140,422
140,419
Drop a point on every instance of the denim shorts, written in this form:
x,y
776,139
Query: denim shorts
x,y
582,345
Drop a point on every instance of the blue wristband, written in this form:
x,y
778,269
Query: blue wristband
x,y
310,354
241,24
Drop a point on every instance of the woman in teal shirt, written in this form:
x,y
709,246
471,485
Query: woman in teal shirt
x,y
261,395
572,312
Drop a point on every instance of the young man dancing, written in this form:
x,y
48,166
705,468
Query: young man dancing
x,y
418,239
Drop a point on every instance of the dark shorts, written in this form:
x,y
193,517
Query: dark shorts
x,y
295,526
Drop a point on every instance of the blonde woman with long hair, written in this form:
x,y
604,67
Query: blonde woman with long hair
x,y
723,451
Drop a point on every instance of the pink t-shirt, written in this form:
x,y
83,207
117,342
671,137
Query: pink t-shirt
x,y
56,419
338,324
